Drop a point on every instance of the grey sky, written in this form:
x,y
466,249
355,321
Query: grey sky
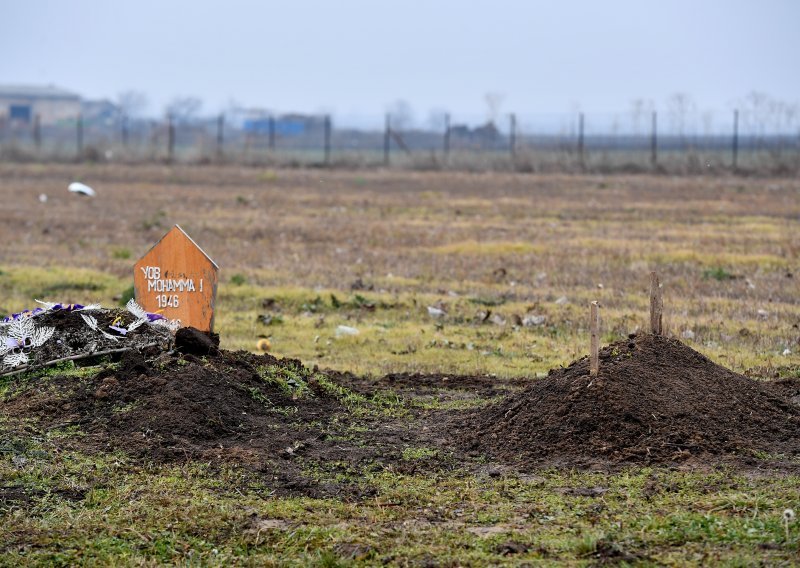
x,y
355,57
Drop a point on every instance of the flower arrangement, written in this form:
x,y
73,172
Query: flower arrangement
x,y
20,336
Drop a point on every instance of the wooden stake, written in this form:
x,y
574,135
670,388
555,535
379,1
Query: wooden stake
x,y
656,305
594,354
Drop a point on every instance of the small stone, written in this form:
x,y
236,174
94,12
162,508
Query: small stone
x,y
435,312
497,319
533,320
346,330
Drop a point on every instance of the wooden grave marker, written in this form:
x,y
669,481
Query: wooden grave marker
x,y
178,280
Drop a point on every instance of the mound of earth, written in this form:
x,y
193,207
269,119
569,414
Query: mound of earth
x,y
273,417
654,401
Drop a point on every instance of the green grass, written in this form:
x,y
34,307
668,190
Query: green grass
x,y
130,514
107,509
727,253
718,273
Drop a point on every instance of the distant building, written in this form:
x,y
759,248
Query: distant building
x,y
485,134
258,122
20,104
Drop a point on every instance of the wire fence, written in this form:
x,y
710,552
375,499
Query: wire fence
x,y
634,141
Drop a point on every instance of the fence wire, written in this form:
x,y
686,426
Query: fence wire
x,y
673,140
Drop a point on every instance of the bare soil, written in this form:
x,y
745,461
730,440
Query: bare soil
x,y
175,406
654,401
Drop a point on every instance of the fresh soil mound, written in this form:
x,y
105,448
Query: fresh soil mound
x,y
269,416
177,406
273,417
655,401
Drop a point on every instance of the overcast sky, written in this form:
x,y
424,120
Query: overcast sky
x,y
356,57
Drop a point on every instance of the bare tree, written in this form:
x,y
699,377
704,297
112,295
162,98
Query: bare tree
x,y
679,106
132,103
493,103
437,119
641,110
183,109
402,115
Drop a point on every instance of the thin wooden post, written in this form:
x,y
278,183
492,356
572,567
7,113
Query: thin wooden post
x,y
656,305
594,347
387,139
328,139
580,140
446,136
735,141
654,141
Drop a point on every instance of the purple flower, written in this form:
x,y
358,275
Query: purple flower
x,y
68,307
22,315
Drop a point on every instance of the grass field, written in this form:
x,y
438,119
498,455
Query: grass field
x,y
303,252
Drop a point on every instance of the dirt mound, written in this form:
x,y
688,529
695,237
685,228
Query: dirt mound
x,y
273,417
654,401
178,405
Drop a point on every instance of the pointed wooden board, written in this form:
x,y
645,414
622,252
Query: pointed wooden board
x,y
178,280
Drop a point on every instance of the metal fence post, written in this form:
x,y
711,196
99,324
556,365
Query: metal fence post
x,y
512,135
327,139
654,141
387,139
446,136
37,132
79,136
125,130
220,135
271,125
735,141
170,138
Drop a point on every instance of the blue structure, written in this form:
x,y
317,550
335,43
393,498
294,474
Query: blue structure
x,y
283,126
